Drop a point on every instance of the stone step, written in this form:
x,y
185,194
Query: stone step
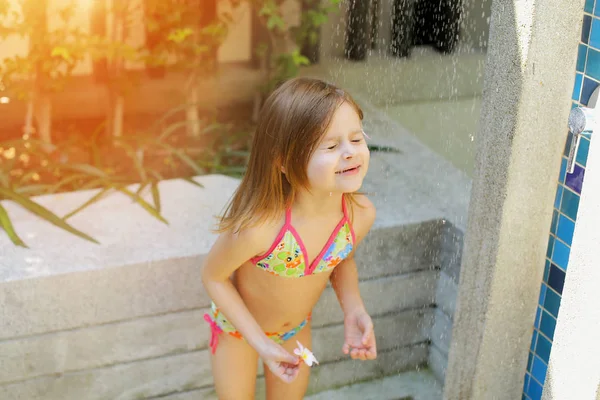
x,y
175,373
410,385
157,336
118,294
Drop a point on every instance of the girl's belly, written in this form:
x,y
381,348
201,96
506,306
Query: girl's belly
x,y
278,304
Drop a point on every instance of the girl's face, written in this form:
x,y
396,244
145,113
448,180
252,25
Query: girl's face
x,y
340,161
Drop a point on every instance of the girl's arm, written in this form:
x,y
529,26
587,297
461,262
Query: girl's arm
x,y
359,339
228,253
344,278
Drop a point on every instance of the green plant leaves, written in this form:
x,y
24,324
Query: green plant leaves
x,y
6,224
43,213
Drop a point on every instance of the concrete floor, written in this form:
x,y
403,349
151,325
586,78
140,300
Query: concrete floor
x,y
412,385
447,127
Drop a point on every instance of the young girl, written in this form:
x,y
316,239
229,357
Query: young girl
x,y
292,226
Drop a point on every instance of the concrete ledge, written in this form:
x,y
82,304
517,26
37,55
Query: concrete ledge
x,y
441,332
154,337
156,377
117,294
80,299
391,362
399,249
125,381
438,363
103,346
415,290
126,232
445,294
392,330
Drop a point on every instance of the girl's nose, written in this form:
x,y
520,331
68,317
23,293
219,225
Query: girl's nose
x,y
349,151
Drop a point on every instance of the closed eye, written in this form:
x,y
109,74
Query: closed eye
x,y
333,146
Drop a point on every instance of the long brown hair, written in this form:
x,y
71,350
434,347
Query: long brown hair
x,y
291,124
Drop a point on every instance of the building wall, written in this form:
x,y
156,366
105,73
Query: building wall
x,y
236,47
568,191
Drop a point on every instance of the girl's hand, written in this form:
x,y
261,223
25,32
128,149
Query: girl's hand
x,y
359,336
283,364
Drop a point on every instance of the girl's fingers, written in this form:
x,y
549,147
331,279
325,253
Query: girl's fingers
x,y
364,353
346,348
371,355
366,339
288,372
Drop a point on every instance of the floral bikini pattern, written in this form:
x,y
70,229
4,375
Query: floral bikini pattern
x,y
219,324
337,251
287,258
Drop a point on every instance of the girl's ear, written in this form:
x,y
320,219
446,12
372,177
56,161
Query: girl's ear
x,y
282,169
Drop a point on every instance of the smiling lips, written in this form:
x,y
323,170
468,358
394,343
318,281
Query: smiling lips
x,y
349,171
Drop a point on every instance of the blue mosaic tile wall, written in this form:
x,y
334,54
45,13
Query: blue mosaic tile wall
x,y
587,78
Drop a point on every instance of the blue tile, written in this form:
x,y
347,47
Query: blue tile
x,y
565,229
542,295
563,165
548,325
566,151
589,6
595,33
525,397
588,87
526,384
542,348
539,370
569,204
556,278
550,246
584,149
535,390
577,87
581,58
558,198
560,255
585,29
554,223
552,303
529,361
533,340
546,271
538,316
575,180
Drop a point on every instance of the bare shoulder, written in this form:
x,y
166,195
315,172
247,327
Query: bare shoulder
x,y
234,248
258,237
363,216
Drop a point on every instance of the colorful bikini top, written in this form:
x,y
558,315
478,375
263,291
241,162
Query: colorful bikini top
x,y
287,256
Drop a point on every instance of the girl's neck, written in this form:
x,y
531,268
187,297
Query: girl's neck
x,y
312,205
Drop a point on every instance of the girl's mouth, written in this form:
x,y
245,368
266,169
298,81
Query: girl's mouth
x,y
349,171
